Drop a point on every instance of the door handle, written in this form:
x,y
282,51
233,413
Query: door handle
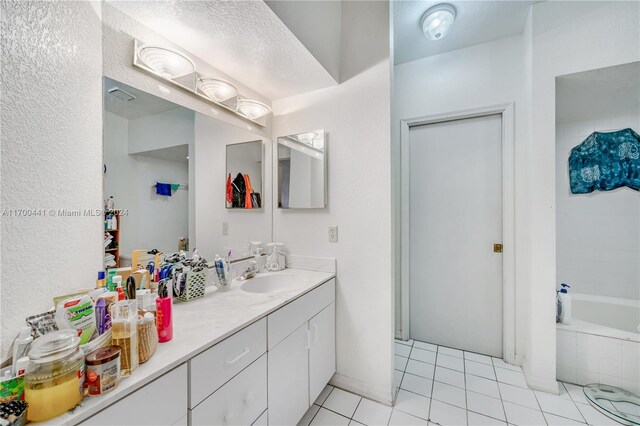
x,y
314,327
236,359
308,345
497,248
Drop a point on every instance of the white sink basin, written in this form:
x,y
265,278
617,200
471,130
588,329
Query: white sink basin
x,y
271,283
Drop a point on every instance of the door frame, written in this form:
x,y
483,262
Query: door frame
x,y
508,215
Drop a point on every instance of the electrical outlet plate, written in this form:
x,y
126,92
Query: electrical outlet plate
x,y
225,228
333,234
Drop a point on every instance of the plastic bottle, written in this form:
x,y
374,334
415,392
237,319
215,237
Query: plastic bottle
x,y
111,203
21,365
121,295
116,282
565,301
21,347
101,281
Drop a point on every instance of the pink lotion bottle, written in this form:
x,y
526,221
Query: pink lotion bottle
x,y
164,325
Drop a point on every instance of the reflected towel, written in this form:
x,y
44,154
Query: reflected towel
x,y
163,189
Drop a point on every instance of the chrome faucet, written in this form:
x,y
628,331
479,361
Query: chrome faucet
x,y
250,271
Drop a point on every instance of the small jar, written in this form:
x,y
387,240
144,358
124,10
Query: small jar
x,y
103,370
54,380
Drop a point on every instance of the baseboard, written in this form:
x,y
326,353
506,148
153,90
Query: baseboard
x,y
367,390
539,383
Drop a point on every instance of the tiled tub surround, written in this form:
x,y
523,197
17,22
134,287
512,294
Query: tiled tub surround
x,y
443,386
601,345
586,355
598,234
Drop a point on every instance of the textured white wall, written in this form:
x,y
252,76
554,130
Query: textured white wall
x,y
563,41
478,76
356,118
598,234
51,153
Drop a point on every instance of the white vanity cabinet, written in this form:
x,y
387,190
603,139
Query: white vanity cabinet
x,y
301,356
161,402
269,372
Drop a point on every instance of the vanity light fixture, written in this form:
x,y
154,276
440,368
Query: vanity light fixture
x,y
178,69
312,139
165,62
437,21
217,90
252,109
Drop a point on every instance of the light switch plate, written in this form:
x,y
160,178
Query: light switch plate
x,y
333,234
225,228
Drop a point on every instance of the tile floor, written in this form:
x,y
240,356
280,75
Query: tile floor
x,y
437,385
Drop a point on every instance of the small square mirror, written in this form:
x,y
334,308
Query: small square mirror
x,y
244,175
302,170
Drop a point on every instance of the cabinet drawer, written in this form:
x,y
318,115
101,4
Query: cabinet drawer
x,y
286,320
161,402
214,367
239,402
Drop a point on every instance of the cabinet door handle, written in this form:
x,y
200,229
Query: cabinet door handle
x,y
236,359
308,345
314,327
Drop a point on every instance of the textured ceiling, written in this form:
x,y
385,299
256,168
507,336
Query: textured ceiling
x,y
476,22
598,94
144,103
244,39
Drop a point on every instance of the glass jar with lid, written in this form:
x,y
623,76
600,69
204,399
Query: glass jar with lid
x,y
54,380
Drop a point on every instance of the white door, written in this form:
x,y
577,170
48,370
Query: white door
x,y
322,355
455,210
288,378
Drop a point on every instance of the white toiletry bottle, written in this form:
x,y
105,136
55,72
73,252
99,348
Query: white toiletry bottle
x,y
565,301
21,347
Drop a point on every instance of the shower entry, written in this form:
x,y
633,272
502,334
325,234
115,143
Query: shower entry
x,y
457,232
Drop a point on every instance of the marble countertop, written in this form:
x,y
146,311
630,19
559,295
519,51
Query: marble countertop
x,y
197,326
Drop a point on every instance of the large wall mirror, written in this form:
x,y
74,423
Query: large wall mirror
x,y
163,179
302,171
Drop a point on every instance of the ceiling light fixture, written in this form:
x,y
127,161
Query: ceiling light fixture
x,y
165,62
252,109
217,90
437,21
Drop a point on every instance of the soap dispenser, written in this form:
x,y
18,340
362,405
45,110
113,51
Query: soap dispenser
x,y
565,303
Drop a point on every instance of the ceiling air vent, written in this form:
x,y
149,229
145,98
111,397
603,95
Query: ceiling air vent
x,y
121,94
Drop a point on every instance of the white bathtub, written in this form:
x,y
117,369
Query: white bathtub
x,y
602,344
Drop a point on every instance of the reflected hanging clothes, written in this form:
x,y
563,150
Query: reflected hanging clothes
x,y
163,189
239,191
605,161
247,196
229,189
